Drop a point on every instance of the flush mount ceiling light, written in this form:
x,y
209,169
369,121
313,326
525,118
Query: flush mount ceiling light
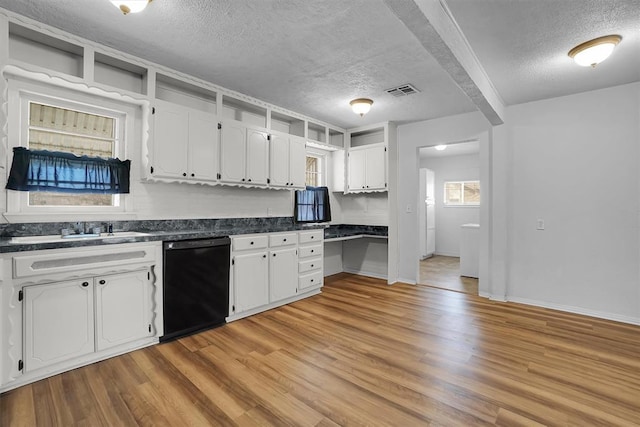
x,y
593,52
130,6
361,106
441,147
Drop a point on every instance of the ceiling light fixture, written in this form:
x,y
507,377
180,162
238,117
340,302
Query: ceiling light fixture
x,y
593,52
441,147
361,106
131,6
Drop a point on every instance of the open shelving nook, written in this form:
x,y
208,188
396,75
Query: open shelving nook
x,y
243,111
185,94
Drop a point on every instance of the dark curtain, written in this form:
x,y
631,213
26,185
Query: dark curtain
x,y
40,170
312,205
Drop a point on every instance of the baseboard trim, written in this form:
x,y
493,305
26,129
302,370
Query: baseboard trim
x,y
576,310
407,281
451,254
365,273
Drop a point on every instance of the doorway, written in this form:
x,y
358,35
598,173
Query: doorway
x,y
448,210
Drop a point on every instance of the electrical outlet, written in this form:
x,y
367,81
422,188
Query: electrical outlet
x,y
269,212
409,209
540,224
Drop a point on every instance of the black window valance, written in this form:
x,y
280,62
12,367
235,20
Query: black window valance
x,y
41,170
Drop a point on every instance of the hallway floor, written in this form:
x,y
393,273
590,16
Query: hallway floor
x,y
444,272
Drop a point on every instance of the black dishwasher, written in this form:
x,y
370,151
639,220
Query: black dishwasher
x,y
196,285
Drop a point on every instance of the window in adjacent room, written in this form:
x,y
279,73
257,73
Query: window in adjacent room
x,y
462,193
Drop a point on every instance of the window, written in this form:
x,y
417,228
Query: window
x,y
462,193
70,121
314,171
55,128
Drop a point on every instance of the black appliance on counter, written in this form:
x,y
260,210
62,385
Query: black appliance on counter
x,y
196,285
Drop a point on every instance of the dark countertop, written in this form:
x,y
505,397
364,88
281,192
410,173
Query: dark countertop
x,y
171,230
156,230
348,230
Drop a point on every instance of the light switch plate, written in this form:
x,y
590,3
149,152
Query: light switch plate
x,y
540,224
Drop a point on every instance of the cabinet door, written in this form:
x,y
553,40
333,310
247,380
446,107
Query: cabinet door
x,y
233,139
203,146
250,275
297,162
123,308
283,274
279,160
58,322
356,170
170,140
257,157
375,168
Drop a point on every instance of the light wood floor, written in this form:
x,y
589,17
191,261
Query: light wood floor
x,y
444,272
362,353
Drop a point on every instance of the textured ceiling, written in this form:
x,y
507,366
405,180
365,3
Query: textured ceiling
x,y
314,56
523,44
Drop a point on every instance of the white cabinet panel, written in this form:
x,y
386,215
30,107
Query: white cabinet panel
x,y
310,251
279,160
375,169
170,140
58,322
297,162
310,280
283,275
233,152
203,146
283,239
250,242
314,236
122,308
250,275
257,157
357,170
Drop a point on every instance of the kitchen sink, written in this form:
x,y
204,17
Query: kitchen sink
x,y
72,237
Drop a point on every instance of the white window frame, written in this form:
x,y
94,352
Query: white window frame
x,y
322,170
463,204
20,94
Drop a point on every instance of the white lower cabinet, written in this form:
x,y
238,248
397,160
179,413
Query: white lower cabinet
x,y
266,270
283,278
60,321
122,308
65,308
250,274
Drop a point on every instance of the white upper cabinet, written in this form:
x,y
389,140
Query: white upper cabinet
x,y
367,159
287,161
185,143
233,153
257,156
244,156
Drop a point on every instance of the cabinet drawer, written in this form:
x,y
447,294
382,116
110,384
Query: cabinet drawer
x,y
309,251
311,236
283,239
310,280
309,265
249,242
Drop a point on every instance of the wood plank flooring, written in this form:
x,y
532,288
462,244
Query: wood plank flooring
x,y
444,272
361,353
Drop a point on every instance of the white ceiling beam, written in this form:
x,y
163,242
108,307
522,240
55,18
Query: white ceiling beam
x,y
432,23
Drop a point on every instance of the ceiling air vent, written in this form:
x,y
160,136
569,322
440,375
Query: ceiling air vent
x,y
406,89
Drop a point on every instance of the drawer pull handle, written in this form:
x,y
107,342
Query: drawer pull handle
x,y
312,280
311,265
85,284
284,240
311,250
313,237
274,254
102,282
264,256
251,243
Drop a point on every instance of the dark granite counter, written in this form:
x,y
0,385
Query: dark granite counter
x,y
157,230
346,231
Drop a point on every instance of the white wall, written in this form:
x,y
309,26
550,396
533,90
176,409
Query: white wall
x,y
575,163
450,218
